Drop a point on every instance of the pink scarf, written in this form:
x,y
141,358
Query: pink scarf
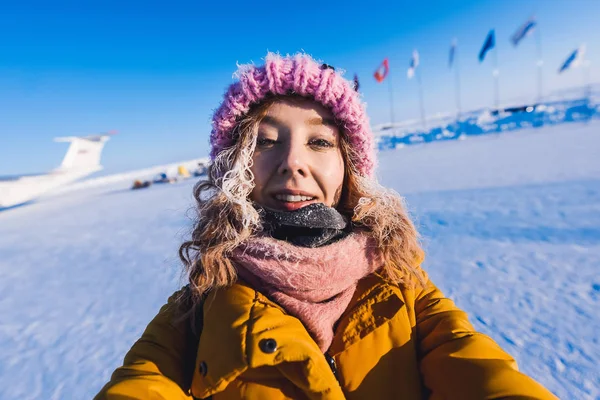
x,y
313,284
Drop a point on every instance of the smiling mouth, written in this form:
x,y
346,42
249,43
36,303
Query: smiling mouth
x,y
293,198
292,202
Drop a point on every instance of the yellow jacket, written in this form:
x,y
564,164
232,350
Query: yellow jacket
x,y
391,343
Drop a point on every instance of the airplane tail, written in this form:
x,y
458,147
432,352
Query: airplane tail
x,y
81,160
83,153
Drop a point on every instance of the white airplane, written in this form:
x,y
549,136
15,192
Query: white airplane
x,y
82,159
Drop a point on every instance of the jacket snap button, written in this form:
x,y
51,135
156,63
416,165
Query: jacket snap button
x,y
268,345
203,368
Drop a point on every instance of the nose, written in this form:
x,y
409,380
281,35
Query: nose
x,y
293,160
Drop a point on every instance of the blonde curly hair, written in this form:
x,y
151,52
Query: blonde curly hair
x,y
226,216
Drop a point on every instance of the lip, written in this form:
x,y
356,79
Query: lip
x,y
292,192
288,206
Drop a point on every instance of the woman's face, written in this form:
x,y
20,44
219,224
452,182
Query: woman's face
x,y
297,160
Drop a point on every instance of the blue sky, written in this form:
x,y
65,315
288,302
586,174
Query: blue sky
x,y
154,71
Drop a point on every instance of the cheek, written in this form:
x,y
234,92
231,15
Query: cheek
x,y
333,175
262,170
258,167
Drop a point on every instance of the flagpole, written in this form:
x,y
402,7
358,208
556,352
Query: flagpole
x,y
422,108
391,103
586,64
457,83
540,63
495,73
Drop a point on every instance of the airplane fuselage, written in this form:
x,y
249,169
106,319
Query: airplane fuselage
x,y
82,158
23,189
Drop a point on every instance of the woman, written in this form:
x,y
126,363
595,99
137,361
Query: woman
x,y
304,273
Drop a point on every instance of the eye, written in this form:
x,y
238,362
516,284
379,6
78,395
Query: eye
x,y
265,142
322,143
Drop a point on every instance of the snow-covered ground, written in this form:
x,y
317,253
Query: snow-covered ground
x,y
511,225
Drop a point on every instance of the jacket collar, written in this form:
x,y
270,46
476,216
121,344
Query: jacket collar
x,y
240,325
375,302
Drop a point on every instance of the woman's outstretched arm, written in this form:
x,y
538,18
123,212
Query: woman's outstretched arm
x,y
160,364
457,362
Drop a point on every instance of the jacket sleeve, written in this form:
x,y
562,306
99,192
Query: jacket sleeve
x,y
160,364
456,362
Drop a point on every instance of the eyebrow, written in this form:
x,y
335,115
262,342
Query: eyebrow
x,y
321,121
316,121
271,121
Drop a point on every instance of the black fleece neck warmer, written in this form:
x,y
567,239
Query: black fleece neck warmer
x,y
315,225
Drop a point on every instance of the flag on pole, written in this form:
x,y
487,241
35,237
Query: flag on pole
x,y
452,52
356,83
382,71
574,60
490,43
523,31
414,63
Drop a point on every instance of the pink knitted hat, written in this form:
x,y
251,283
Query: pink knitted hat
x,y
299,74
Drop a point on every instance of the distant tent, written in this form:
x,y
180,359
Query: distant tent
x,y
163,178
202,169
137,184
183,172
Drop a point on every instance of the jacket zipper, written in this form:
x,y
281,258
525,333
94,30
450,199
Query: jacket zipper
x,y
332,365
